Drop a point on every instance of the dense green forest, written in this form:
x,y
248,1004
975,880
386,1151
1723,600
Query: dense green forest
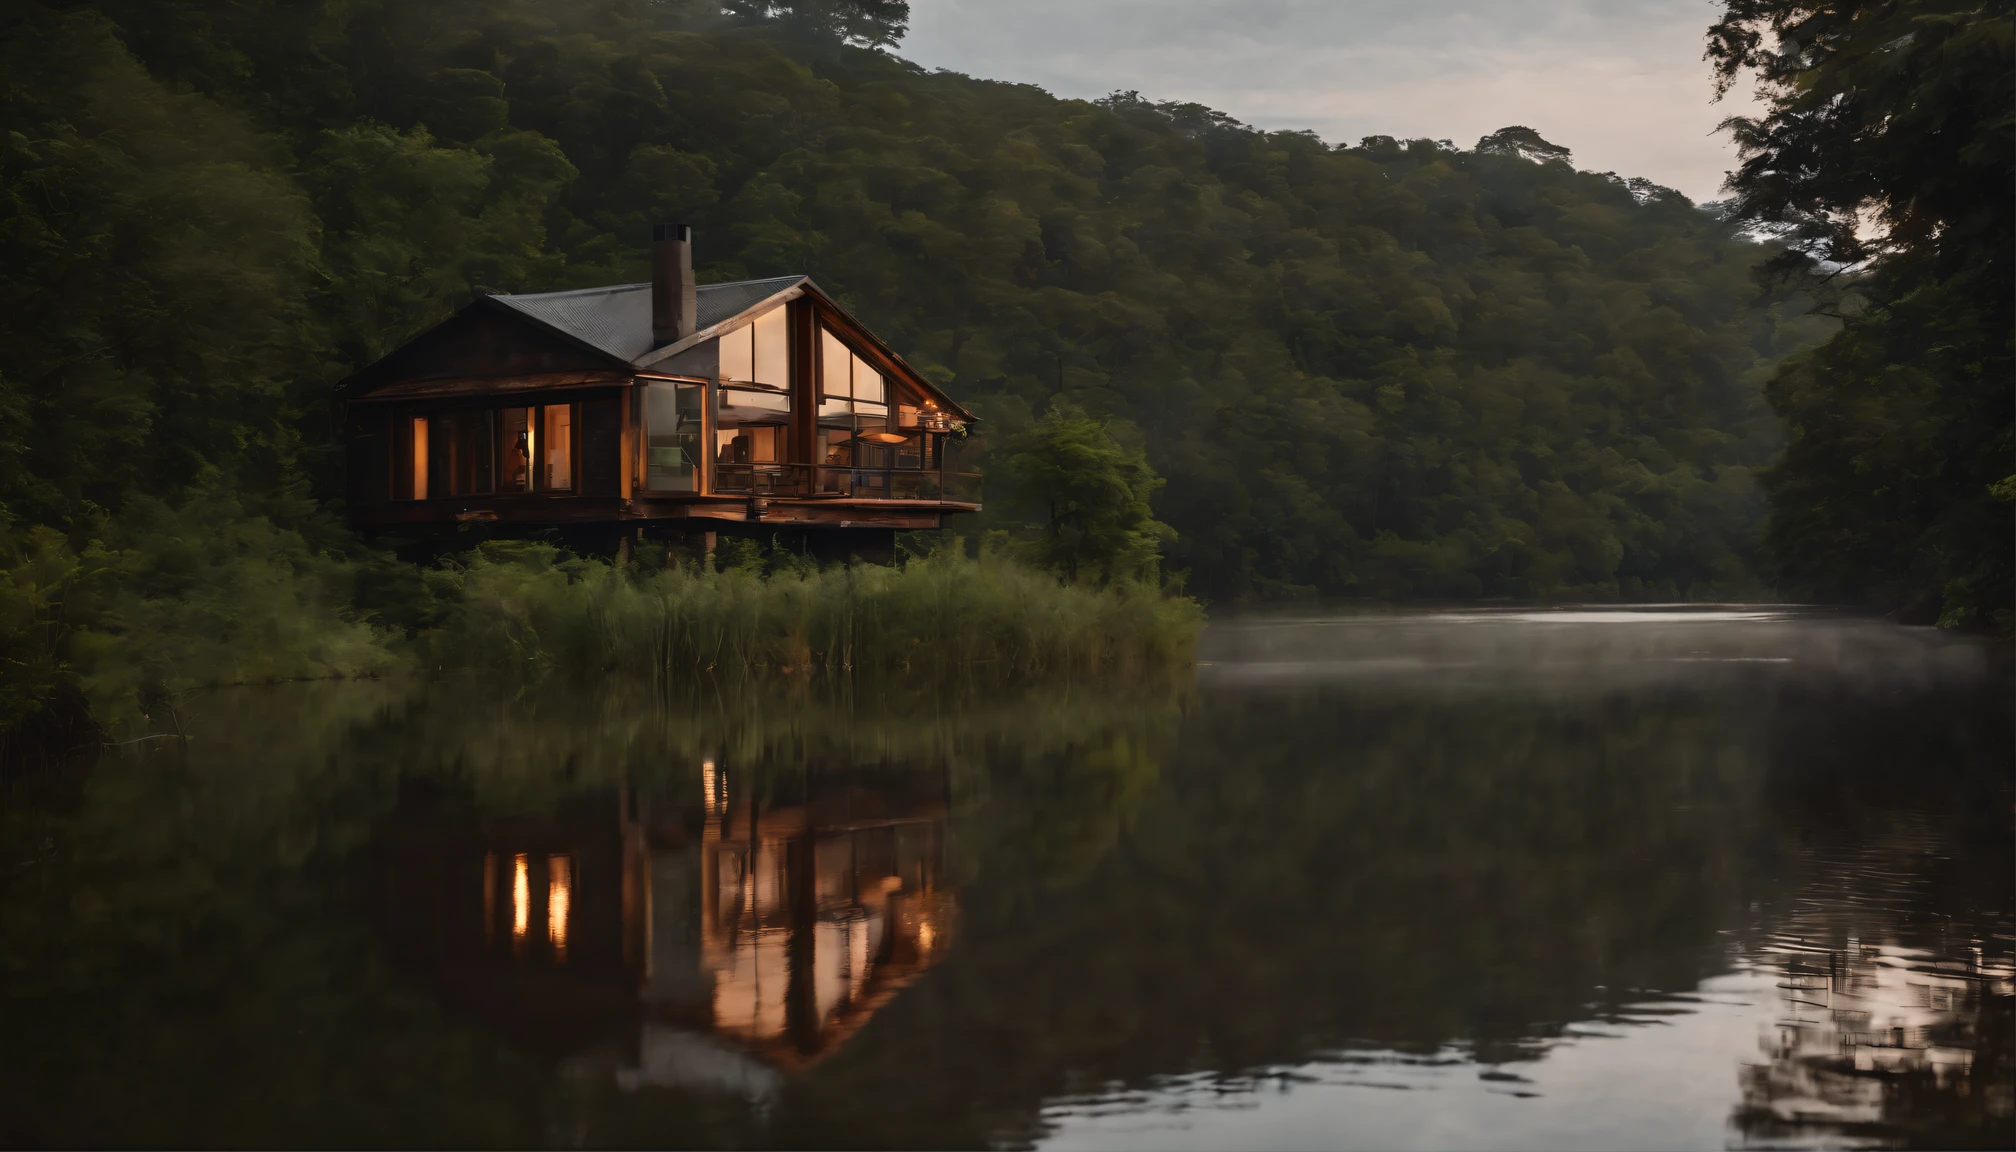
x,y
1395,369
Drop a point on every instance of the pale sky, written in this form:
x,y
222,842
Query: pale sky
x,y
1621,82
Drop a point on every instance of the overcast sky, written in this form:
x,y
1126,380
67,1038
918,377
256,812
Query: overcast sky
x,y
1621,82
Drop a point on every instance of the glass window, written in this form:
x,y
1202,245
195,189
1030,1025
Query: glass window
x,y
759,353
835,367
871,454
867,382
556,447
773,349
672,429
738,354
836,446
738,404
515,458
750,444
843,373
419,458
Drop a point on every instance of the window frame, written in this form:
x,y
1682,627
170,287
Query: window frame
x,y
423,472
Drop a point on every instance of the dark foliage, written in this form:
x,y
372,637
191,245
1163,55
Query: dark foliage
x,y
1886,157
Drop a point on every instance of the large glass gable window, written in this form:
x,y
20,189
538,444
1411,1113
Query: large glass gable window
x,y
857,437
847,383
758,353
754,402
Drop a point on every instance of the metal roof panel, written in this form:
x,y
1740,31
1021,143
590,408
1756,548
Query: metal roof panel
x,y
617,319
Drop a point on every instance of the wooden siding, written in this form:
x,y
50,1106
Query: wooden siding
x,y
600,440
481,341
371,450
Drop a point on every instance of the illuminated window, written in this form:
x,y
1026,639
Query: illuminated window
x,y
836,380
844,375
556,447
749,428
853,416
836,447
515,451
750,444
420,458
760,352
478,451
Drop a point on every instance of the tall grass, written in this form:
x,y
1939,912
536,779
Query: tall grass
x,y
105,636
946,615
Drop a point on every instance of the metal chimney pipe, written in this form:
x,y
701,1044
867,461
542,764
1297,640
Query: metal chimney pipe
x,y
674,311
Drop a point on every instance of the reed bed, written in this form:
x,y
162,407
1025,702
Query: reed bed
x,y
946,615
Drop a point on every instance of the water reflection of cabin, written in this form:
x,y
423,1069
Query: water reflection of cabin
x,y
755,405
722,949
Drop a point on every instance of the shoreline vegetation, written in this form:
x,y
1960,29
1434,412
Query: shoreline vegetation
x,y
113,639
945,614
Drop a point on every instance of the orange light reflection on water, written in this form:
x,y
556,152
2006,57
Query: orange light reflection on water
x,y
521,898
559,891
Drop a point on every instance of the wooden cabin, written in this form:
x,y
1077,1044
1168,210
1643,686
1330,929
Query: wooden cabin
x,y
754,406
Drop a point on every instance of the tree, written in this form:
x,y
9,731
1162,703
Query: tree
x,y
1523,142
865,23
1884,159
1091,495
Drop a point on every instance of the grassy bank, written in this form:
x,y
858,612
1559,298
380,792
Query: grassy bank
x,y
531,607
114,634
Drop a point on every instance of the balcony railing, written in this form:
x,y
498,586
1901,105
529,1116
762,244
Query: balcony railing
x,y
763,479
810,480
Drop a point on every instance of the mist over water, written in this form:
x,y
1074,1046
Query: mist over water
x,y
1676,877
1583,649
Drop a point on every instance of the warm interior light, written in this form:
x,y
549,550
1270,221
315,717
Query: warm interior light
x,y
556,441
521,897
708,786
419,458
882,437
559,893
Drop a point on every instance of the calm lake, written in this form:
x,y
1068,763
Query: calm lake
x,y
1479,879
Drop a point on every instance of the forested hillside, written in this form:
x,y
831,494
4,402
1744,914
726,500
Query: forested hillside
x,y
1396,369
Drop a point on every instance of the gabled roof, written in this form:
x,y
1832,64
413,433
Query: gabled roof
x,y
611,329
616,320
